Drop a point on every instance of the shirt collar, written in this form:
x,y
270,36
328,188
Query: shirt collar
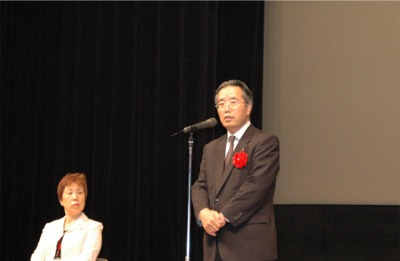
x,y
240,132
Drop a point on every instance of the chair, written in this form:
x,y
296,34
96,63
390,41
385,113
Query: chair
x,y
101,259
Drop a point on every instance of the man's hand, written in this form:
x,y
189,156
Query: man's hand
x,y
222,219
212,221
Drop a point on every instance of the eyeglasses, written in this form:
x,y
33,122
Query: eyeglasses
x,y
233,104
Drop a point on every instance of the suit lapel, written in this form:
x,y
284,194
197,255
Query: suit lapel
x,y
221,178
220,161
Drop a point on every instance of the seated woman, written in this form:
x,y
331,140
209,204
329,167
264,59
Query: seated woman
x,y
75,236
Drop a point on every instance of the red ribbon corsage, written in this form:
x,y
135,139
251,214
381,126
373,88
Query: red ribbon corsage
x,y
240,159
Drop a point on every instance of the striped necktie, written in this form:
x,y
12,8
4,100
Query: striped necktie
x,y
228,157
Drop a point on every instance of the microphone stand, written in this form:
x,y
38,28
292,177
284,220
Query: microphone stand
x,y
190,145
190,129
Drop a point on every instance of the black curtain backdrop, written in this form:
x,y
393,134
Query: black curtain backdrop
x,y
99,87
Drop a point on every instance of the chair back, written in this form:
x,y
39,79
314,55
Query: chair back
x,y
101,259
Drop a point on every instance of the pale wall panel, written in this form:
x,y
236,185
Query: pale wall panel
x,y
331,94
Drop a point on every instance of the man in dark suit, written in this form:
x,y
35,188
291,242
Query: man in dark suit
x,y
233,200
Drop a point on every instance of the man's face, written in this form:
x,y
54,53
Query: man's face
x,y
232,110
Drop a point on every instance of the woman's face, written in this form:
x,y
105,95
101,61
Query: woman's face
x,y
73,199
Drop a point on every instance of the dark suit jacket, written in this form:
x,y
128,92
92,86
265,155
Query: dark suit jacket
x,y
244,196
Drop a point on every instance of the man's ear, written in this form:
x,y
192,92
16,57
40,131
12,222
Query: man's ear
x,y
249,108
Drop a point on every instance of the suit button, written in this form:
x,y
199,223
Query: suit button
x,y
216,200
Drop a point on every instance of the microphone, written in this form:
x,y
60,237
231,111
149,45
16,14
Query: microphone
x,y
211,122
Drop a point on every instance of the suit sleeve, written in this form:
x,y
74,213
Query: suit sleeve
x,y
200,189
256,192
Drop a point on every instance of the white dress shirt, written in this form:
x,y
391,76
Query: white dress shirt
x,y
238,136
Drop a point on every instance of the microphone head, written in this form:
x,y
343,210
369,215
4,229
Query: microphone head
x,y
201,125
213,122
